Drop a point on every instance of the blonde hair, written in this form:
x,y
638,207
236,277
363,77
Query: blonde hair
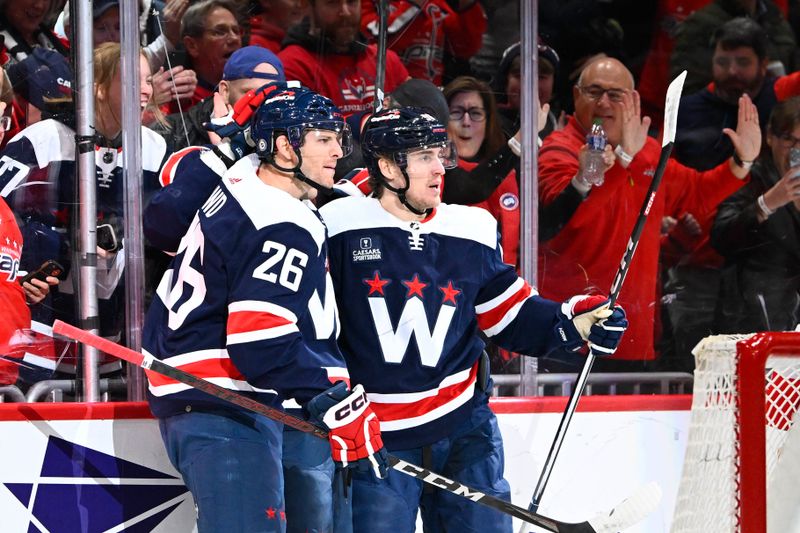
x,y
107,58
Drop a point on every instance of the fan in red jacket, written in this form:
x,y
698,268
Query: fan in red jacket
x,y
422,31
585,254
326,54
271,19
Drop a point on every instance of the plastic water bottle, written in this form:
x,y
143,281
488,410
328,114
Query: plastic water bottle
x,y
594,166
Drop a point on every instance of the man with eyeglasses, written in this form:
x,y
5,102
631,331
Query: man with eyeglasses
x,y
587,250
738,66
211,32
691,287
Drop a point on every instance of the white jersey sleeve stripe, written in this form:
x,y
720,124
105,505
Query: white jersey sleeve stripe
x,y
264,307
493,319
497,300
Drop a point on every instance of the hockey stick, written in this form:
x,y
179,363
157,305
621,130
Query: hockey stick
x,y
670,123
380,66
631,509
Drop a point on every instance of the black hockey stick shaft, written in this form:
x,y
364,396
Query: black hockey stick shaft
x,y
423,474
619,278
380,65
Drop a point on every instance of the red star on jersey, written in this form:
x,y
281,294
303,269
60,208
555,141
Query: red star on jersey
x,y
415,286
283,516
376,284
271,513
450,293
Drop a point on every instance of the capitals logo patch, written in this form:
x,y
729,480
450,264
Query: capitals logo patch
x,y
366,248
509,201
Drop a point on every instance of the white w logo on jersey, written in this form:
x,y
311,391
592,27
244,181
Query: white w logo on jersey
x,y
323,315
414,319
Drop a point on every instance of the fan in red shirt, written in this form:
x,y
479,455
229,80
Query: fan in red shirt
x,y
423,31
271,19
326,54
585,253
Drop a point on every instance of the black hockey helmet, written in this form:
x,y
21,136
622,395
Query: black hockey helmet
x,y
394,133
292,111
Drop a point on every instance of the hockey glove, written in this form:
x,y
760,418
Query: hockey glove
x,y
355,434
596,323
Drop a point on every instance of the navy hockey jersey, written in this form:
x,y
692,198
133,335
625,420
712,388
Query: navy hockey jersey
x,y
187,178
247,302
37,177
413,297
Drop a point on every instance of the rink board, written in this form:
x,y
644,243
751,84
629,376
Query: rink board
x,y
102,467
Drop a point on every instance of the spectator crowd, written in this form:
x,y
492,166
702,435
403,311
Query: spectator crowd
x,y
719,253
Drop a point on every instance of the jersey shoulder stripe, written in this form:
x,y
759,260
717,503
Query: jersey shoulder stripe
x,y
170,168
253,195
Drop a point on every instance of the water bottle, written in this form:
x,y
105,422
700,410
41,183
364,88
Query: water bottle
x,y
594,166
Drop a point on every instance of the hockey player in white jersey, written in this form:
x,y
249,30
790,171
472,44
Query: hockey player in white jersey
x,y
248,304
418,281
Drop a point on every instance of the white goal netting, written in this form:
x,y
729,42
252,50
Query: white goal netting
x,y
711,497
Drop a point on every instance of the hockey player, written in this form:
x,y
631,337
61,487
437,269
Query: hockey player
x,y
189,177
412,267
248,304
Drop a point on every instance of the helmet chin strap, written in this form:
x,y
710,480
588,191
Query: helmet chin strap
x,y
298,174
401,195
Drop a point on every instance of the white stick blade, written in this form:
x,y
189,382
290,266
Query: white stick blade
x,y
630,511
671,108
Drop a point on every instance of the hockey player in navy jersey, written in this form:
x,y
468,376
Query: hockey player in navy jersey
x,y
248,304
189,176
421,281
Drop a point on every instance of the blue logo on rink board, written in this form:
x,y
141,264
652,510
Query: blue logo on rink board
x,y
84,490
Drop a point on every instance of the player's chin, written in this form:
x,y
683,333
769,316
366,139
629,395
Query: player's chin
x,y
328,176
433,198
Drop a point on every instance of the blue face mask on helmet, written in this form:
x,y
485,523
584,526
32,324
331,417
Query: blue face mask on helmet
x,y
394,133
293,111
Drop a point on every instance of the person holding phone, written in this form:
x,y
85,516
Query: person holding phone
x,y
757,230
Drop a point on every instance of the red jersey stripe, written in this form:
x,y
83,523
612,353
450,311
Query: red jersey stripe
x,y
400,411
495,315
247,321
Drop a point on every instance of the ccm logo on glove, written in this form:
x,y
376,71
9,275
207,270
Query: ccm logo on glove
x,y
355,405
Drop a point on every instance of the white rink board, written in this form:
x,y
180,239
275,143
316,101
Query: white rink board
x,y
606,456
604,459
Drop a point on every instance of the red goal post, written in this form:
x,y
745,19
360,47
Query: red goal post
x,y
746,396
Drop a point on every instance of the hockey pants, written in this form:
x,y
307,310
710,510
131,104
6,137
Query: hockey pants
x,y
231,463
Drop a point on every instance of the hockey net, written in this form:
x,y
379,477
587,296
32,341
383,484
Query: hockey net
x,y
743,437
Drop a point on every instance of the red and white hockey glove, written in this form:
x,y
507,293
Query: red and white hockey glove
x,y
354,430
596,323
